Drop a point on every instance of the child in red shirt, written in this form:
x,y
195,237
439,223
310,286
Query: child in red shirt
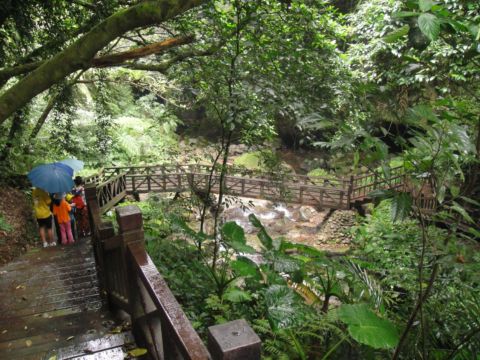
x,y
61,210
81,213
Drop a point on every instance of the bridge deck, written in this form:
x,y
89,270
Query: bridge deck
x,y
51,307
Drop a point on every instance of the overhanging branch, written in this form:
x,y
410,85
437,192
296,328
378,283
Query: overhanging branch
x,y
155,48
164,65
107,60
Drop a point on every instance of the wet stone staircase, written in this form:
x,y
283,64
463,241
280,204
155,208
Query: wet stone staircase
x,y
51,308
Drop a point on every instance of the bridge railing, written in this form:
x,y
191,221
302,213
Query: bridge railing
x,y
363,185
231,171
132,283
332,192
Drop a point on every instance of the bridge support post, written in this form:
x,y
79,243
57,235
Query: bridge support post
x,y
234,340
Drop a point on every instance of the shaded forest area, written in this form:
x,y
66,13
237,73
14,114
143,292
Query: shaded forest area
x,y
325,88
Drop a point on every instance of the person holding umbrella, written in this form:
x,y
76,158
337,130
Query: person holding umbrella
x,y
41,205
50,178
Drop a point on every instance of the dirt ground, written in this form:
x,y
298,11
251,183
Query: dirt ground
x,y
16,209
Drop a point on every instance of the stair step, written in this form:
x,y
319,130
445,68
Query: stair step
x,y
107,345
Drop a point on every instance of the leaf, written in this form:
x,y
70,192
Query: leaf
x,y
232,231
282,306
245,267
28,343
234,236
266,240
53,357
420,113
137,352
429,24
367,328
401,206
70,338
459,209
425,5
396,34
237,295
381,194
470,201
254,221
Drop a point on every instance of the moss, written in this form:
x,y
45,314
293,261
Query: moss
x,y
323,174
251,161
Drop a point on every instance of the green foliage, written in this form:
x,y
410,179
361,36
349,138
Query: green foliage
x,y
251,161
4,225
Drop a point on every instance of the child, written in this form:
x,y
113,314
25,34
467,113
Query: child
x,y
41,204
81,213
61,210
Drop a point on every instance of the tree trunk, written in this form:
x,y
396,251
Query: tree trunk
x,y
17,126
79,55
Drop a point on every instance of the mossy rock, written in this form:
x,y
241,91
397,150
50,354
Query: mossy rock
x,y
251,160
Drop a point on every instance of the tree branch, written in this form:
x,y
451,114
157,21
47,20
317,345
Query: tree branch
x,y
164,65
155,48
104,61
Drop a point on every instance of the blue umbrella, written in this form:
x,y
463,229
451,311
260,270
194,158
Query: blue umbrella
x,y
75,164
53,178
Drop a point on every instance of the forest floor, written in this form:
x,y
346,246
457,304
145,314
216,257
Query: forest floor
x,y
18,229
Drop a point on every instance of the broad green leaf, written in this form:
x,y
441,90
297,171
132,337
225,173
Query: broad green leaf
x,y
429,24
236,295
234,236
266,240
396,34
367,328
241,247
245,267
401,206
234,232
254,221
425,5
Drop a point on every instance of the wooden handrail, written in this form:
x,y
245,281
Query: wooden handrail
x,y
172,316
130,281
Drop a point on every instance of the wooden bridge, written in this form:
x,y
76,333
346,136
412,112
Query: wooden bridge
x,y
322,192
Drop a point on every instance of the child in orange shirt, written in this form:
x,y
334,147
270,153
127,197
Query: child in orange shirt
x,y
61,210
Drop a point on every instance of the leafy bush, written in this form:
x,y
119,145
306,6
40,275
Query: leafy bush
x,y
4,225
391,250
